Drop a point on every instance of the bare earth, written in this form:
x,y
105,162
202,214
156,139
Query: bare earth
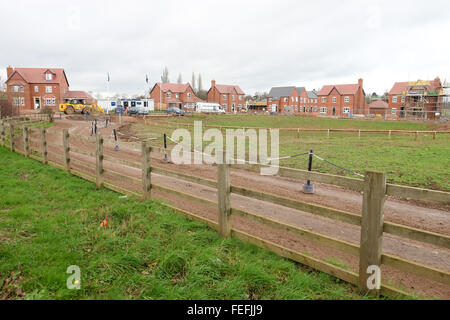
x,y
434,218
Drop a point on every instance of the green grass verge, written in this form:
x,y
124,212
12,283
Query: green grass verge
x,y
50,220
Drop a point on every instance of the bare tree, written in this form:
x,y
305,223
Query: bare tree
x,y
165,75
180,78
199,83
193,82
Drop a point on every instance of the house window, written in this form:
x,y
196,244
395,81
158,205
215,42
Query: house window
x,y
403,99
20,101
48,89
36,89
168,95
394,99
323,110
240,97
224,97
346,110
347,99
189,95
334,99
232,97
177,95
324,99
50,101
285,99
18,88
224,106
49,77
394,111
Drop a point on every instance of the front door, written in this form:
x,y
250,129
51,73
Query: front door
x,y
37,103
334,111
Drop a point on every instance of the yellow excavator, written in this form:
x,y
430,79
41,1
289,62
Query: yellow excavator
x,y
79,106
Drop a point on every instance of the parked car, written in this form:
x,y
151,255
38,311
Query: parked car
x,y
174,110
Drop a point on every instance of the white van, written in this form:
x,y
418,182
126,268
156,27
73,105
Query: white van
x,y
209,107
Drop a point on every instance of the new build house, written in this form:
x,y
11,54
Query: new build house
x,y
177,95
421,99
230,97
283,97
291,100
36,88
342,99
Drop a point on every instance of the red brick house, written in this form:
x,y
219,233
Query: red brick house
x,y
230,97
418,99
36,88
342,100
281,98
311,103
177,95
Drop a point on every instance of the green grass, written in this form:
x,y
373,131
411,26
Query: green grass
x,y
423,163
249,120
50,220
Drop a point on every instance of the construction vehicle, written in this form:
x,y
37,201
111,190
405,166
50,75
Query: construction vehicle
x,y
79,106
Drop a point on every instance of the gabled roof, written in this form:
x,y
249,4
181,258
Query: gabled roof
x,y
37,75
227,89
312,94
400,87
343,89
172,87
379,104
278,92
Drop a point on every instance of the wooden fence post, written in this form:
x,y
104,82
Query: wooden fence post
x,y
66,149
359,134
390,132
26,146
328,133
99,162
417,136
44,145
298,133
434,135
223,183
371,230
11,136
146,171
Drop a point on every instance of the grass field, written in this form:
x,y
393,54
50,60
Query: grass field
x,y
423,163
50,220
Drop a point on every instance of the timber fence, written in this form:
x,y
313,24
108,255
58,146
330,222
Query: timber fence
x,y
371,221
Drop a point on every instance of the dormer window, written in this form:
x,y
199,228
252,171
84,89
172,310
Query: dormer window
x,y
48,77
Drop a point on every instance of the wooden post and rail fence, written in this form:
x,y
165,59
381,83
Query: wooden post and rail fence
x,y
359,132
371,221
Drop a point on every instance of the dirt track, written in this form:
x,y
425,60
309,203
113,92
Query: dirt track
x,y
402,212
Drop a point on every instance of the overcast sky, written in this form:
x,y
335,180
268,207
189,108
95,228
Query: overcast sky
x,y
254,44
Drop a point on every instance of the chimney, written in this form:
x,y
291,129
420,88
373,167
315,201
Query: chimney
x,y
213,83
360,82
9,71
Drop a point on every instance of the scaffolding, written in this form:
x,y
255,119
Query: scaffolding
x,y
444,101
421,101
